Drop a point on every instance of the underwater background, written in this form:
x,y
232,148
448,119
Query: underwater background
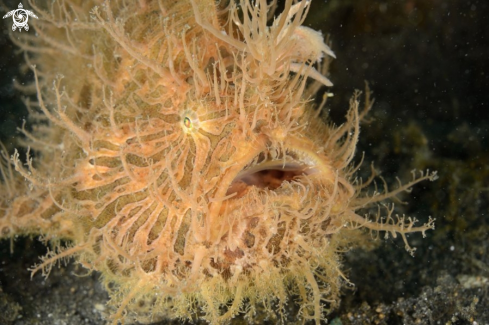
x,y
427,63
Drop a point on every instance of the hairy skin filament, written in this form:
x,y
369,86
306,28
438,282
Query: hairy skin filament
x,y
177,152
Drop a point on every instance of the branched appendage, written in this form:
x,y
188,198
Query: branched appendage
x,y
58,255
389,222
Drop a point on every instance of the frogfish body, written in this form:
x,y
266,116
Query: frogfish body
x,y
177,151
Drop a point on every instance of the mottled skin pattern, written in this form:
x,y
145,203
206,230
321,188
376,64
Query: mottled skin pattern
x,y
177,153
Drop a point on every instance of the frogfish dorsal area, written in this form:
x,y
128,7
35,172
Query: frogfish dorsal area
x,y
178,151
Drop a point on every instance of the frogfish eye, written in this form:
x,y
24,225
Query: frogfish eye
x,y
187,123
